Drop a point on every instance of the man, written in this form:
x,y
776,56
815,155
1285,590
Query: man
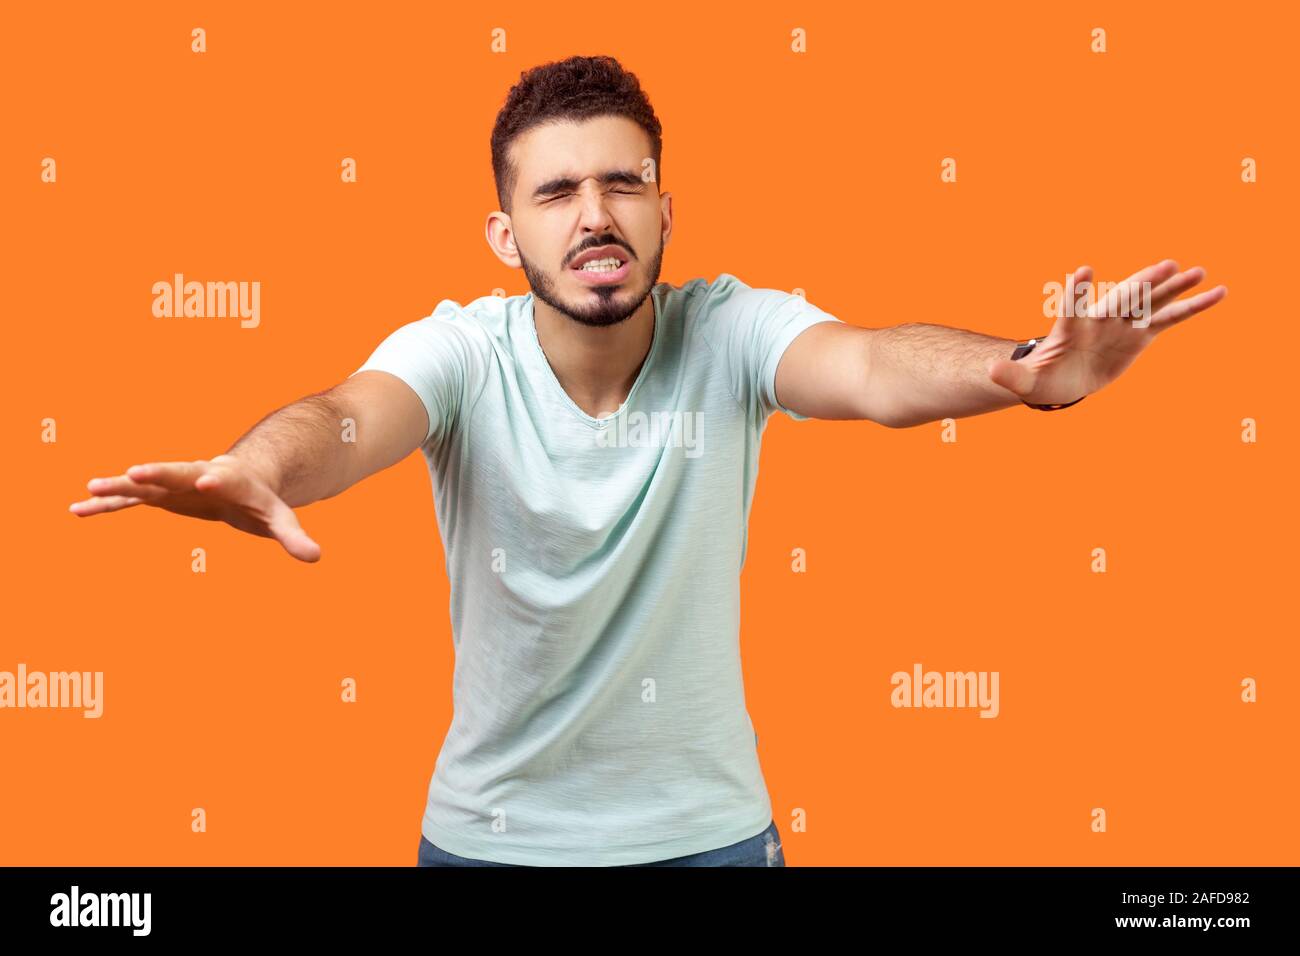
x,y
593,447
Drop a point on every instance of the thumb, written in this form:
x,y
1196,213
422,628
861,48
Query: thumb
x,y
1013,376
284,525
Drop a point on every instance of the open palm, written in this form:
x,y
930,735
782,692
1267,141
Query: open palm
x,y
1083,353
221,489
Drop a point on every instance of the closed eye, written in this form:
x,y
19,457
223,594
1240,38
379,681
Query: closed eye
x,y
625,192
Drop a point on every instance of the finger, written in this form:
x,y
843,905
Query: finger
x,y
122,485
1069,312
1078,287
1157,272
1172,288
176,475
1126,295
1176,312
284,525
100,505
1072,283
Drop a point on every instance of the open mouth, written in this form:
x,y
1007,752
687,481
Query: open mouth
x,y
602,266
608,264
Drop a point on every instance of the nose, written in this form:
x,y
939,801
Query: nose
x,y
594,214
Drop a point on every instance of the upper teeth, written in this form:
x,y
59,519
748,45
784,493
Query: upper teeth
x,y
602,265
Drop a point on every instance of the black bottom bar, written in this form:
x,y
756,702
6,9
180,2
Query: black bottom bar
x,y
207,904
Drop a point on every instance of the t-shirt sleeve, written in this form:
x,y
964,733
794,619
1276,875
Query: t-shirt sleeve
x,y
749,330
442,358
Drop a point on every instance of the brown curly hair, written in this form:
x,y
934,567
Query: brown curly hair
x,y
576,89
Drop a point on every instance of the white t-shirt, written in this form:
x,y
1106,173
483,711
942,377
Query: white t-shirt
x,y
599,711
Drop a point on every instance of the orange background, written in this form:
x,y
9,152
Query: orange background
x,y
819,171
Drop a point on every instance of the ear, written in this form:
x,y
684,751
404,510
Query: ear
x,y
500,235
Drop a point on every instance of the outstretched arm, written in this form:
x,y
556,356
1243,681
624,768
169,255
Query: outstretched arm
x,y
292,457
913,373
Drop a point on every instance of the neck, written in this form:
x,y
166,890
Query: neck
x,y
595,365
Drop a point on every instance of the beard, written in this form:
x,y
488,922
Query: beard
x,y
602,305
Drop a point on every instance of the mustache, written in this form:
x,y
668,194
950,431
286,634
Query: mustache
x,y
597,245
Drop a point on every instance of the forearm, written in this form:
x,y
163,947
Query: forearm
x,y
299,450
923,373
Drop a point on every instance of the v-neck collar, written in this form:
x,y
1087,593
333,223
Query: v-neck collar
x,y
655,335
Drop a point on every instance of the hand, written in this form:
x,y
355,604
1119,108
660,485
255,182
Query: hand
x,y
1084,353
225,488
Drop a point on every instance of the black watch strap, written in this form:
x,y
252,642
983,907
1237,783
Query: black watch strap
x,y
1021,350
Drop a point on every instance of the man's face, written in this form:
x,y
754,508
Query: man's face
x,y
580,187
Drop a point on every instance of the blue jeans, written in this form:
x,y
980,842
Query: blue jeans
x,y
761,850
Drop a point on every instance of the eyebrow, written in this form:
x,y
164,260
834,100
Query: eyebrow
x,y
567,183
